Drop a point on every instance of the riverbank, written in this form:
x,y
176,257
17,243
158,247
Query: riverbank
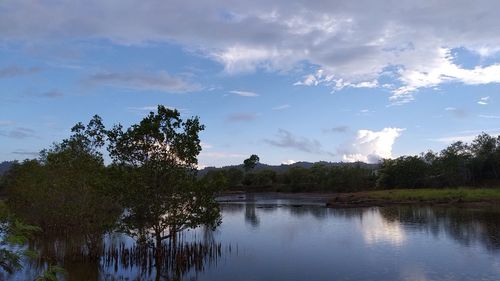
x,y
467,197
464,197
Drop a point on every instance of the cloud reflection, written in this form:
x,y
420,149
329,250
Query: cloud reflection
x,y
376,229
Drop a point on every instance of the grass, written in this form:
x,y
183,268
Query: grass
x,y
427,194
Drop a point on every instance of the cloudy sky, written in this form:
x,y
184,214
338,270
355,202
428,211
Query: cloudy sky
x,y
287,80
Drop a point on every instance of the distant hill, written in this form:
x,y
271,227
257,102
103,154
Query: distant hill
x,y
5,166
283,168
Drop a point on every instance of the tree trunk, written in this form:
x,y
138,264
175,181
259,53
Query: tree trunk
x,y
158,248
158,254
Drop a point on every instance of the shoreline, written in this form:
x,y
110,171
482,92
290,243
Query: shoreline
x,y
460,197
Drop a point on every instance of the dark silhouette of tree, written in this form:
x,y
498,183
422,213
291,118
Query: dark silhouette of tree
x,y
157,160
67,189
251,162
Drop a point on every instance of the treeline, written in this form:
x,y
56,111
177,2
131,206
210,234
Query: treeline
x,y
318,178
458,165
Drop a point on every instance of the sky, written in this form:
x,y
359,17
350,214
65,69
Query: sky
x,y
286,80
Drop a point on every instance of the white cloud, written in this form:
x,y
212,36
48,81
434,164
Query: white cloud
x,y
341,43
489,116
244,93
288,162
483,100
440,70
371,146
281,107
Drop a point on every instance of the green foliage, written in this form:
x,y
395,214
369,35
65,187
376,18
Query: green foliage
x,y
51,273
251,162
446,194
13,234
459,164
405,171
156,162
234,177
67,189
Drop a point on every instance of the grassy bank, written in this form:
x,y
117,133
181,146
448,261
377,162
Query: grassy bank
x,y
463,194
486,196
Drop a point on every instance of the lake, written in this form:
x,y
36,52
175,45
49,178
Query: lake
x,y
273,238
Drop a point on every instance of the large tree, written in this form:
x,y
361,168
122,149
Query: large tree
x,y
157,160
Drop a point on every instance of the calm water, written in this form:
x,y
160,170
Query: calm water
x,y
282,239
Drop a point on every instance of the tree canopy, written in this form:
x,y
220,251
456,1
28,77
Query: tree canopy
x,y
157,160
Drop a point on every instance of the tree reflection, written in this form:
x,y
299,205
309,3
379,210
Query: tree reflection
x,y
251,215
463,225
119,259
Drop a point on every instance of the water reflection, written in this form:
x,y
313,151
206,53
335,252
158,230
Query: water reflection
x,y
390,224
120,258
295,241
377,229
468,227
281,239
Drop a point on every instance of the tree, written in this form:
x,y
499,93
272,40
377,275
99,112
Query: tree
x,y
67,189
454,164
251,162
157,161
484,164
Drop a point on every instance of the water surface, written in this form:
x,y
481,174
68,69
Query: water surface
x,y
270,238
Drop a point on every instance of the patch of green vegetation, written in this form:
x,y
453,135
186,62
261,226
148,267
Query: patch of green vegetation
x,y
427,194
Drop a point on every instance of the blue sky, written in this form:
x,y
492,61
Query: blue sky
x,y
289,81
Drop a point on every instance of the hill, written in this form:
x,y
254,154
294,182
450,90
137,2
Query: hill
x,y
279,169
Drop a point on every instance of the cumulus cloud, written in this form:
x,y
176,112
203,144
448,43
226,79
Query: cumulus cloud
x,y
371,146
346,43
143,81
288,140
244,93
288,162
